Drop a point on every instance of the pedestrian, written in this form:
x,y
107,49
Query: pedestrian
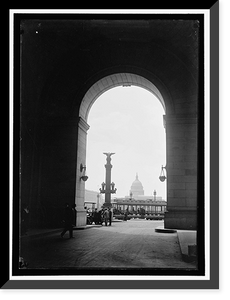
x,y
126,215
68,221
106,216
110,216
95,217
100,217
74,212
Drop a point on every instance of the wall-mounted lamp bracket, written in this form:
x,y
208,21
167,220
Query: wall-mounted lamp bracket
x,y
84,177
82,167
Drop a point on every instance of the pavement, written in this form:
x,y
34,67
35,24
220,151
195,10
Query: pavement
x,y
131,244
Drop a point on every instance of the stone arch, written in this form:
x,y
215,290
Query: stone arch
x,y
97,89
113,80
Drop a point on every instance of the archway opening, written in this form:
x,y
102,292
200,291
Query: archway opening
x,y
129,122
127,119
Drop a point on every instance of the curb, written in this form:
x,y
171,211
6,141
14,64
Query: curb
x,y
165,230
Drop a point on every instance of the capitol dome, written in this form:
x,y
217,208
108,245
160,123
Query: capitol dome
x,y
137,187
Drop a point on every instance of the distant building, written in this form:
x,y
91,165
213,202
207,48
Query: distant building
x,y
137,202
93,200
137,187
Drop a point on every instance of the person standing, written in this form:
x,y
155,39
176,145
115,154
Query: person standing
x,y
74,213
106,216
126,215
110,216
95,217
100,217
68,220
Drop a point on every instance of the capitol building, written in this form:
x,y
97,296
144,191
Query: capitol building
x,y
138,203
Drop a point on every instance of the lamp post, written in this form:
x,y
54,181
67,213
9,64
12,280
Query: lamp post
x,y
154,195
131,196
108,188
98,196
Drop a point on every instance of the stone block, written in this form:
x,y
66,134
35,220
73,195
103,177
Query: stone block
x,y
190,157
191,193
186,107
190,178
81,151
179,165
192,252
174,132
191,171
190,98
191,202
191,165
175,158
178,186
80,218
176,202
187,242
180,193
190,150
170,193
177,178
191,185
170,165
177,151
185,220
175,141
171,172
190,142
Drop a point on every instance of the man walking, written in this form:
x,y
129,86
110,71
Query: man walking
x,y
68,220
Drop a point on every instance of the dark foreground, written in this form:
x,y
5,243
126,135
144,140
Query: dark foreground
x,y
125,245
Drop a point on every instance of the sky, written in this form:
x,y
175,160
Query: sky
x,y
129,122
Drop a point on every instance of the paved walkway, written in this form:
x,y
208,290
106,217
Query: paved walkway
x,y
131,244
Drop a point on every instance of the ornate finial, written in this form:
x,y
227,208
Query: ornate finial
x,y
136,176
108,156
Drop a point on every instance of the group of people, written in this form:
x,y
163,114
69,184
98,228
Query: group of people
x,y
102,216
98,217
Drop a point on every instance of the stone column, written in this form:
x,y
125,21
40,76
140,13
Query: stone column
x,y
181,135
80,184
108,186
108,168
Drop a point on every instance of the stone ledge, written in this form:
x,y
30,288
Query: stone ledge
x,y
161,229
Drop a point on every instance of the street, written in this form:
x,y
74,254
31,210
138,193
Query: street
x,y
131,244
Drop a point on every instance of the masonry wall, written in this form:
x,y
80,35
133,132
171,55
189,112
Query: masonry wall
x,y
59,63
181,173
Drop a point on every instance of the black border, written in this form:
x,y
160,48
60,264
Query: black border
x,y
200,233
110,284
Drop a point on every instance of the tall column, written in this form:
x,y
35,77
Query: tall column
x,y
108,187
181,168
80,184
108,168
